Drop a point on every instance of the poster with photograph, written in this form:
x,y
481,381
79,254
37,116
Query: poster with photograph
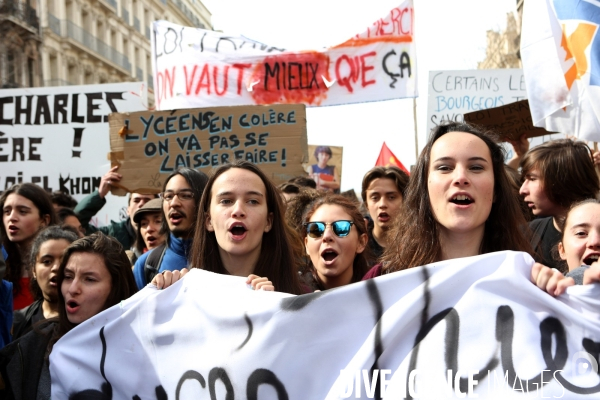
x,y
325,166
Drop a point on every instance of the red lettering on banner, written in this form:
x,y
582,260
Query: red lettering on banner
x,y
397,27
240,77
364,68
189,81
349,70
291,78
216,80
164,81
204,81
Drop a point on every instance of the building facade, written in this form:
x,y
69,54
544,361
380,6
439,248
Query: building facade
x,y
502,50
20,44
99,41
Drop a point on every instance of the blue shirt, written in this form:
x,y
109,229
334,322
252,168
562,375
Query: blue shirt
x,y
175,258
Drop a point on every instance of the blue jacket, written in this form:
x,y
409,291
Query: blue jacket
x,y
176,258
6,312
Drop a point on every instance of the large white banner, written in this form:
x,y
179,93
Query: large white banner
x,y
473,327
58,138
201,68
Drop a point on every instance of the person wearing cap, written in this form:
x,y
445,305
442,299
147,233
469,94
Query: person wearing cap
x,y
149,219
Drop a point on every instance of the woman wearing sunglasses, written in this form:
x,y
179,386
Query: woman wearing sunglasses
x,y
335,237
459,203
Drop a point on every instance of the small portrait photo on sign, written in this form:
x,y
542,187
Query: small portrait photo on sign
x,y
325,167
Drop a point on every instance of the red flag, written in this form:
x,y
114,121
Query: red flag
x,y
387,158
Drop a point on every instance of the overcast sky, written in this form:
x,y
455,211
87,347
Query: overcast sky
x,y
450,35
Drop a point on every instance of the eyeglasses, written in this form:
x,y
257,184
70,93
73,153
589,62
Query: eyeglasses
x,y
317,229
183,195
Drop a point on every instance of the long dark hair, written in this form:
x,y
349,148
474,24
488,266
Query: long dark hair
x,y
50,233
277,260
360,265
43,202
117,263
415,240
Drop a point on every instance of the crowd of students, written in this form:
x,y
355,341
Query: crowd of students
x,y
459,201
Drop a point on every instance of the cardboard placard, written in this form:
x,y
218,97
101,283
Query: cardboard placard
x,y
148,146
510,121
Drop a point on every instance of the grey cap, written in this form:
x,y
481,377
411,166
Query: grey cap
x,y
154,205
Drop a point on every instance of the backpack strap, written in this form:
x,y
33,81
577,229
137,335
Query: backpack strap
x,y
153,261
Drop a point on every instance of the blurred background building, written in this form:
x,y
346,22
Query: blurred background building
x,y
502,49
75,42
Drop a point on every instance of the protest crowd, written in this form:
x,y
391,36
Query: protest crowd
x,y
459,201
227,214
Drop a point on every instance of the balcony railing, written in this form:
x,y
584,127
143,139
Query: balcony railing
x,y
54,24
136,24
139,74
125,14
20,11
96,45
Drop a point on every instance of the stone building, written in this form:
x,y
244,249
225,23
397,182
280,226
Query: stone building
x,y
20,43
93,41
502,50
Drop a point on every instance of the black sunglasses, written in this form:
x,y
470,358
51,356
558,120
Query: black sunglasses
x,y
317,229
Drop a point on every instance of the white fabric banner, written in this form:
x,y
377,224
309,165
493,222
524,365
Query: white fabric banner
x,y
58,138
201,68
560,49
473,327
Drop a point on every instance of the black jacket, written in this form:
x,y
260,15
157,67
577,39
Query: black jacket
x,y
23,363
22,319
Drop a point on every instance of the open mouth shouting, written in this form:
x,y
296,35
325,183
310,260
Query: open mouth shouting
x,y
329,256
151,241
72,306
175,217
12,230
591,258
53,280
238,231
462,200
383,217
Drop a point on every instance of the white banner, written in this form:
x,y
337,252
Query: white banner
x,y
473,327
455,93
201,68
58,138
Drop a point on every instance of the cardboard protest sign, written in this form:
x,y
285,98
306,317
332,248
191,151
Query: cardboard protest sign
x,y
510,121
325,166
200,68
465,328
57,137
148,146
